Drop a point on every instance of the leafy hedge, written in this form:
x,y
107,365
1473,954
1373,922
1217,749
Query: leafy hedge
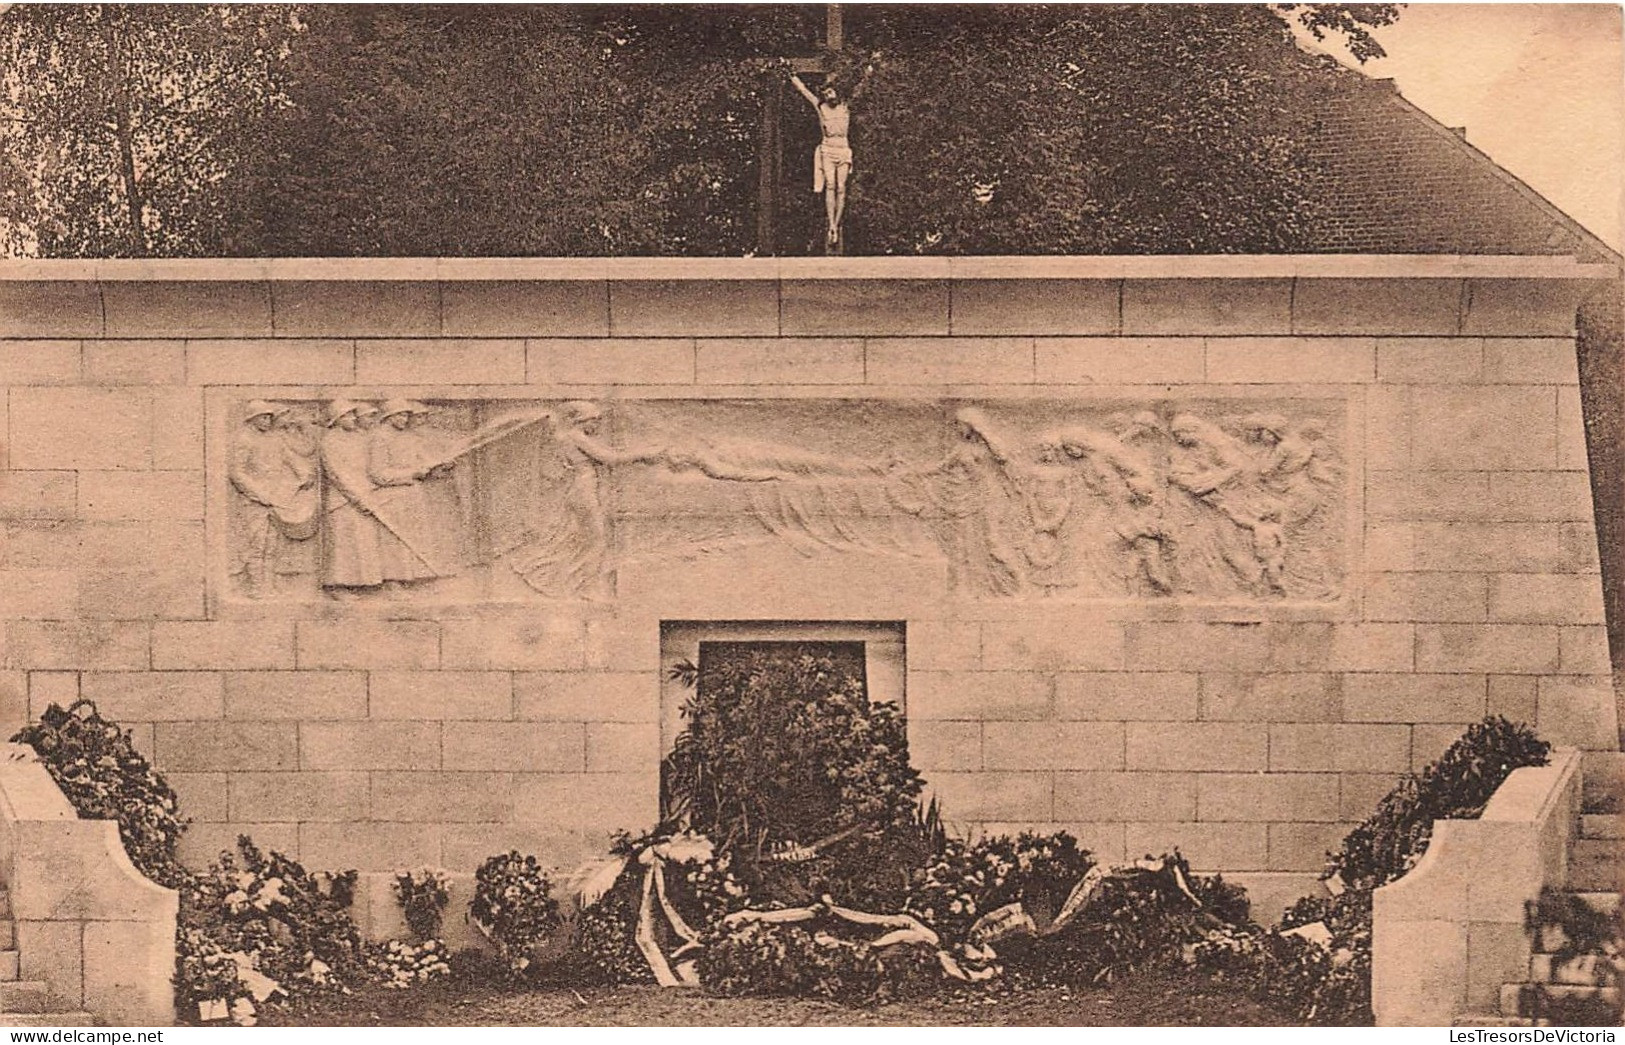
x,y
1393,838
104,777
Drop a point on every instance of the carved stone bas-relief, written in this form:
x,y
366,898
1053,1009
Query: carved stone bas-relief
x,y
503,500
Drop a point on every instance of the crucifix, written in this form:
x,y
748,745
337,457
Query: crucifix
x,y
770,148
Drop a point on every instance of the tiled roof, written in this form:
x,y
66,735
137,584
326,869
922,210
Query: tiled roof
x,y
1393,180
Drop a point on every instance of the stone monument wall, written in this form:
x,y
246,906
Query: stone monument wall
x,y
376,557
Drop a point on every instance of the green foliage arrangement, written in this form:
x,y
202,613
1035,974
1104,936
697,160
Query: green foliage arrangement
x,y
423,896
1323,985
205,975
785,747
296,925
1137,920
262,913
514,907
104,778
1393,838
602,943
1328,986
782,748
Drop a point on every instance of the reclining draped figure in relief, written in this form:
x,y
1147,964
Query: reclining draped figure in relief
x,y
568,547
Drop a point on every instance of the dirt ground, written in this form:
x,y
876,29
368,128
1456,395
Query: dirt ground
x,y
1146,1000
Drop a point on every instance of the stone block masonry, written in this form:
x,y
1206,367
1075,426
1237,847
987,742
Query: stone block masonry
x,y
374,556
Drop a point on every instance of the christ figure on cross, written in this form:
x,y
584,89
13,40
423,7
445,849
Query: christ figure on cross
x,y
832,160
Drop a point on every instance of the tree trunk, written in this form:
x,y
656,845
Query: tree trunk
x,y
767,154
118,69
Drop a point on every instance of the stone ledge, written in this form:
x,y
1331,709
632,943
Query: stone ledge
x,y
1110,267
349,298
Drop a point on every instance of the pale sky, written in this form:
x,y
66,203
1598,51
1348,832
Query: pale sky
x,y
1539,87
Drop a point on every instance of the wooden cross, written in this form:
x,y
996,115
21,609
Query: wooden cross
x,y
770,152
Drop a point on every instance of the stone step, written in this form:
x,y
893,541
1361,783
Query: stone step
x,y
1602,781
1602,825
1606,902
1582,970
47,1019
1594,865
1495,1019
1550,939
24,996
1516,1002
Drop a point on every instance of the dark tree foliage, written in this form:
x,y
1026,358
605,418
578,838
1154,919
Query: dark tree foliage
x,y
1353,22
121,125
1147,129
514,131
610,130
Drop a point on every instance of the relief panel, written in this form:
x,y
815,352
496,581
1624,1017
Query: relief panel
x,y
497,500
